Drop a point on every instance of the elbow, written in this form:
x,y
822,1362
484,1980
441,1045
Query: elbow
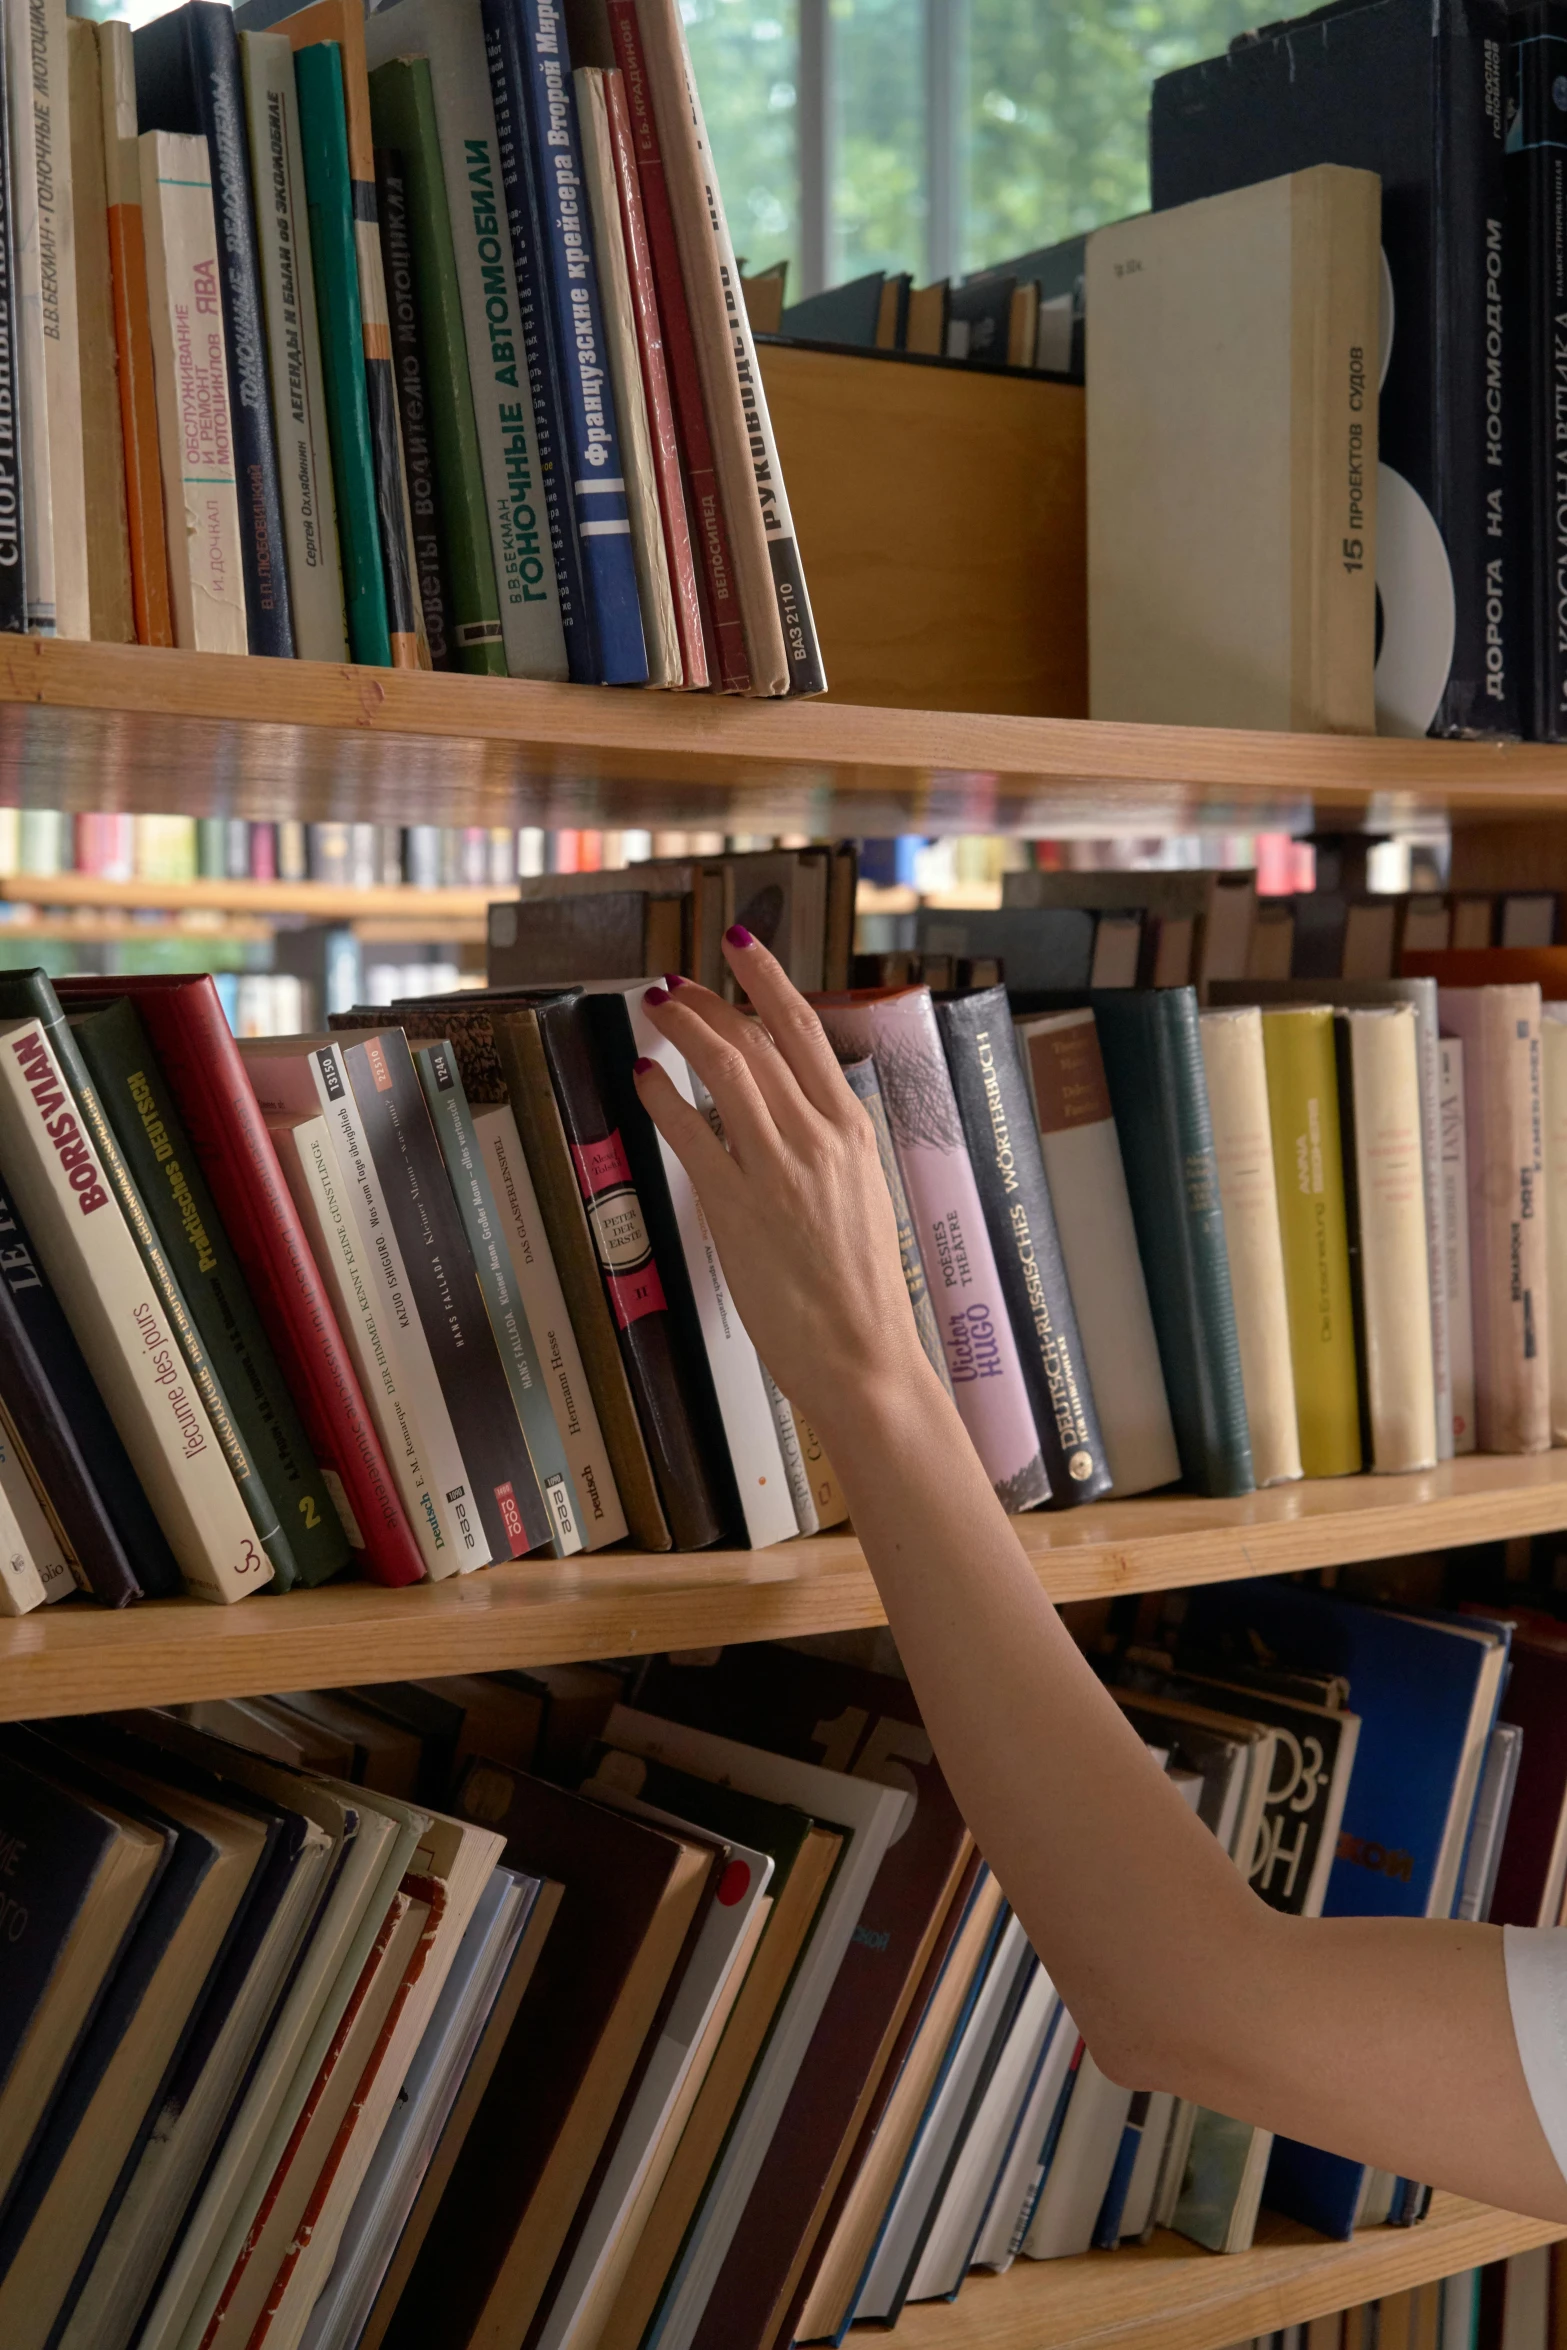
x,y
1185,2025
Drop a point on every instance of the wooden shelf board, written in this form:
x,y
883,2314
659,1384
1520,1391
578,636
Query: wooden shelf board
x,y
1168,2295
320,900
85,929
122,726
74,1658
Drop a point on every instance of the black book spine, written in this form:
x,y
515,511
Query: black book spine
x,y
1537,299
46,1338
13,566
188,78
413,410
634,1265
445,1290
980,1043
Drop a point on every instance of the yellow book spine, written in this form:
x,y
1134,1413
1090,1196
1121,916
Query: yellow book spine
x,y
1309,1170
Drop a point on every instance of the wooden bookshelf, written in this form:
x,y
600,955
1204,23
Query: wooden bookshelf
x,y
316,901
1168,2295
130,727
76,1658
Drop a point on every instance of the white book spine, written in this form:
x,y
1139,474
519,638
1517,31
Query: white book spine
x,y
806,1518
315,572
50,148
738,1379
39,1535
1553,1070
1428,1057
1394,1266
1455,1244
1082,1154
544,1302
22,1585
316,1080
190,372
655,593
320,1192
37,498
97,1271
451,35
1243,1148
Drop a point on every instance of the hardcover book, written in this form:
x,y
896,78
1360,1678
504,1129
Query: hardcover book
x,y
111,615
36,513
45,221
133,339
413,407
1379,1092
866,1086
1455,1270
1308,1170
1236,1070
1536,218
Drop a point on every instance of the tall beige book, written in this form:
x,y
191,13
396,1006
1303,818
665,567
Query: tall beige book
x,y
190,368
1243,1148
1499,1028
1380,1093
1232,458
45,217
111,613
1454,1169
1553,1070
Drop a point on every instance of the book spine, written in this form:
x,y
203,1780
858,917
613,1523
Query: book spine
x,y
591,453
656,389
37,502
525,572
632,1278
1553,1076
1243,1151
93,1261
133,340
544,1301
801,1497
21,1582
1335,264
288,300
215,1098
1398,1385
413,408
1500,1028
183,1214
111,612
508,71
1083,1166
654,591
552,1167
441,1287
1536,197
1428,1056
393,503
1153,1064
866,1087
13,429
728,661
1455,1241
514,1340
679,106
322,1194
41,1427
323,140
201,504
744,1414
51,153
1009,1168
827,1495
42,1538
403,116
954,1241
1308,1164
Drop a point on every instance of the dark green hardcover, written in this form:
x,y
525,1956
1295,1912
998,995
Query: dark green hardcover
x,y
323,136
1151,1045
183,1213
29,995
402,115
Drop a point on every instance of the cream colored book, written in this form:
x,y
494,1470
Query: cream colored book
x,y
37,1531
1232,458
21,1580
1243,1147
1553,1069
1455,1242
1382,1102
39,73
110,610
190,369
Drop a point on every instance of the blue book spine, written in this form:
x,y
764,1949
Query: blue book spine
x,y
508,73
589,436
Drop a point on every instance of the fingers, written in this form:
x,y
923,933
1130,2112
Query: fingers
x,y
769,1071
750,1129
791,1022
686,1131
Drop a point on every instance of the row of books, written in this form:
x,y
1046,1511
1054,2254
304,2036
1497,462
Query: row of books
x,y
1026,313
1478,2309
440,363
667,2003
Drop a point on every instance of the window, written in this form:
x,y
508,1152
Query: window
x,y
933,135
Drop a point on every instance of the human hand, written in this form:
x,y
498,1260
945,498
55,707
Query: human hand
x,y
797,1203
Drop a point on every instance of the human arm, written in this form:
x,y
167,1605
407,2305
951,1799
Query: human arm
x,y
1388,2040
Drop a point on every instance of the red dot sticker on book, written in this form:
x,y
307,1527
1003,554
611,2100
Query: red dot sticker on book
x,y
734,1884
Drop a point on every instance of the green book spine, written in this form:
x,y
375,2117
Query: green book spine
x,y
28,995
212,848
402,115
183,1213
1151,1045
464,1162
323,135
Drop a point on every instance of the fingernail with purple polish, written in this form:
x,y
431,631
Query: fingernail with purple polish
x,y
674,979
737,935
640,1066
655,999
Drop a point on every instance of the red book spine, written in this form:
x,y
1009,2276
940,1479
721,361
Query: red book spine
x,y
655,384
727,661
185,1021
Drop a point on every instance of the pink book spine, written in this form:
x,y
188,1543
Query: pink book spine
x,y
899,1032
655,385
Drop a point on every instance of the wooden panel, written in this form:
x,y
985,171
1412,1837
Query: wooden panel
x,y
75,1657
1168,2295
942,523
